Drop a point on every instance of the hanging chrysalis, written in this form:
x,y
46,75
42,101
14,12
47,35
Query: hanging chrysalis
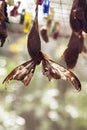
x,y
45,30
39,2
78,25
75,46
44,34
78,16
3,20
50,69
14,11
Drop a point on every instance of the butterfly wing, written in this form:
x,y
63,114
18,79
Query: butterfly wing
x,y
56,71
23,73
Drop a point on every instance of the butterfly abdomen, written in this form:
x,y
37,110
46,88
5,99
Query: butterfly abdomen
x,y
33,43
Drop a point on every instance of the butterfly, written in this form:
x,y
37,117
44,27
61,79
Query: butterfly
x,y
50,69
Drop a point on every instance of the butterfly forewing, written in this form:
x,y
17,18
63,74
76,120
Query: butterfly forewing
x,y
56,71
23,73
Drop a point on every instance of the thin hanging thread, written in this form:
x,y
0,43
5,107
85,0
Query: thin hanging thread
x,y
36,16
62,14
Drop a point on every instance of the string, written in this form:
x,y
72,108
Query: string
x,y
36,16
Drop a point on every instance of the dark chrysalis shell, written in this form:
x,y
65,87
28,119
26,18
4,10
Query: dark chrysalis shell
x,y
3,32
14,11
40,2
76,41
3,12
70,57
78,16
44,34
75,46
3,20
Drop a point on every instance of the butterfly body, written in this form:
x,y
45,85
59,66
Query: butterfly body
x,y
33,43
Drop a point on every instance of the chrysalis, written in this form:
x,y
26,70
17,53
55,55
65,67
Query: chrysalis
x,y
14,11
78,16
39,2
44,34
75,46
3,20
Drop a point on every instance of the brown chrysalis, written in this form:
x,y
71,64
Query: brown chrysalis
x,y
78,23
14,11
44,34
39,2
78,16
75,46
3,33
3,20
25,71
